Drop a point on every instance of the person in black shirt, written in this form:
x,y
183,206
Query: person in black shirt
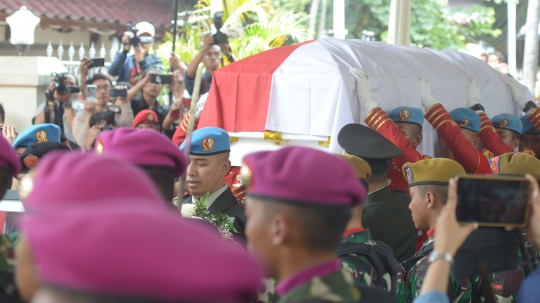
x,y
147,99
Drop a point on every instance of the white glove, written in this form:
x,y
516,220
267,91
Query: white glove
x,y
200,106
473,93
425,92
517,94
363,90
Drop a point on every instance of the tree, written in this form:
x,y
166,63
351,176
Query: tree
x,y
530,56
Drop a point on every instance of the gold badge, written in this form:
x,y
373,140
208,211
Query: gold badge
x,y
404,114
41,136
31,161
465,122
208,144
99,147
150,117
504,123
246,175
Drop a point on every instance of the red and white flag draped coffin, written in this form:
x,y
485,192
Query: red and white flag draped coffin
x,y
304,93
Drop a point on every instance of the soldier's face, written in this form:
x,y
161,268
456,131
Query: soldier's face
x,y
411,132
26,276
532,142
418,208
508,138
148,126
259,231
206,174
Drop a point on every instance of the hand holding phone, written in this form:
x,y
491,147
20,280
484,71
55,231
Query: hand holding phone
x,y
91,93
114,92
161,79
97,62
493,200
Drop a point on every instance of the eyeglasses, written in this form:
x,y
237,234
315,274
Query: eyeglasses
x,y
105,88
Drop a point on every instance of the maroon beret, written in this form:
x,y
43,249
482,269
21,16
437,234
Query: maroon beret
x,y
140,253
8,156
66,179
142,147
302,175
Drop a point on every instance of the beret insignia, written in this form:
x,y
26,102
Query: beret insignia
x,y
410,176
150,117
504,123
465,122
99,147
41,136
208,144
404,114
246,175
494,164
31,161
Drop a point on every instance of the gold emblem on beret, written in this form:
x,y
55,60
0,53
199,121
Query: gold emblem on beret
x,y
99,147
246,175
41,136
404,114
465,122
208,144
150,117
409,173
504,123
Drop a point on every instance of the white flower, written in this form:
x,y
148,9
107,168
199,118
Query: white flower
x,y
188,210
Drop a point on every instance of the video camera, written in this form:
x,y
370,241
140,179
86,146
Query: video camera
x,y
60,87
107,115
219,36
134,40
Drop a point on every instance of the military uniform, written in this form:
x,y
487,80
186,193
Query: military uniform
x,y
381,122
361,267
489,137
459,291
387,215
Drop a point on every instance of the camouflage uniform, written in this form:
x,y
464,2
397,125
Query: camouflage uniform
x,y
458,291
335,287
360,267
267,292
8,292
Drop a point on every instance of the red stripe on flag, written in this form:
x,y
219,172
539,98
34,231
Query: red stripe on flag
x,y
240,92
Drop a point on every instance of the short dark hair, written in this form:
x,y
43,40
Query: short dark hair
x,y
439,190
71,75
6,174
99,76
321,227
2,113
77,296
379,172
163,177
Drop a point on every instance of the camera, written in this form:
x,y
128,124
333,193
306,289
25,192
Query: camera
x,y
134,40
219,36
60,87
107,116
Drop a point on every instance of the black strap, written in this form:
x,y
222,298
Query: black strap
x,y
382,261
409,263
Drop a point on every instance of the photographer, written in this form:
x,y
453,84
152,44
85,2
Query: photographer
x,y
82,129
130,68
210,55
148,99
57,109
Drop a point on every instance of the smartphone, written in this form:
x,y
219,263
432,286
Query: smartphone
x,y
97,62
91,93
495,201
118,92
161,79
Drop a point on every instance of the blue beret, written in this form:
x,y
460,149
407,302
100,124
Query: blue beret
x,y
209,141
38,133
407,114
507,121
466,118
528,128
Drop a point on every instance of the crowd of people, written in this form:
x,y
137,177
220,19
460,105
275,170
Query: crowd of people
x,y
120,208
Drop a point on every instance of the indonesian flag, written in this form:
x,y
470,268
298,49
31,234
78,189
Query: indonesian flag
x,y
306,89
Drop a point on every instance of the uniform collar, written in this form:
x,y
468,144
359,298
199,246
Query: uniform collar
x,y
292,282
378,194
430,232
350,231
213,197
